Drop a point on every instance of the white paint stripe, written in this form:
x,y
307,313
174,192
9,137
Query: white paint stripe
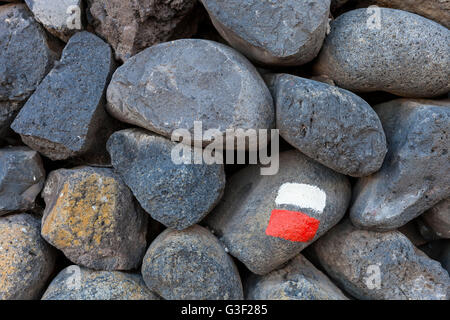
x,y
302,195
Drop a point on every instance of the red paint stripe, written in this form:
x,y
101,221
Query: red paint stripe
x,y
292,225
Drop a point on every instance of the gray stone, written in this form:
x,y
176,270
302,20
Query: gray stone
x,y
330,125
177,195
437,10
414,176
405,54
283,32
411,231
190,265
24,39
355,258
91,216
171,85
241,219
62,118
26,260
445,257
78,283
22,177
438,218
131,26
298,280
62,18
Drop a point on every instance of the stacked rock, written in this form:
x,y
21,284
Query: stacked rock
x,y
121,127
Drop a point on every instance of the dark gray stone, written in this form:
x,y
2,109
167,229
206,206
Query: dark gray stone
x,y
62,18
330,125
405,54
283,32
22,38
132,26
171,85
438,218
445,257
190,265
355,258
298,280
178,196
241,218
26,260
91,216
22,177
62,118
78,283
414,176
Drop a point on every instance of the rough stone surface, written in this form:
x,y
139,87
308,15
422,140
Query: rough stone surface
x,y
178,196
438,218
91,217
352,257
75,283
190,265
131,26
298,280
437,10
330,125
62,18
22,177
171,85
26,260
283,32
24,39
241,218
414,176
407,55
62,118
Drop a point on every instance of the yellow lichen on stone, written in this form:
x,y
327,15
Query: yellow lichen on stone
x,y
83,212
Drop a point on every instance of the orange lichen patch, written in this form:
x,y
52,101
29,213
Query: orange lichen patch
x,y
83,212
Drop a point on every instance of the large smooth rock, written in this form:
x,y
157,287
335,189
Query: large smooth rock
x,y
377,265
438,218
405,54
24,39
26,260
78,283
171,85
241,220
62,18
131,26
62,118
298,280
190,265
90,215
330,125
22,177
414,176
283,32
177,195
437,10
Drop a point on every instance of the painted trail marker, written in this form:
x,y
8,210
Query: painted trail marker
x,y
296,225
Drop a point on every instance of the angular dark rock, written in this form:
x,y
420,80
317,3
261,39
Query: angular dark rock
x,y
191,265
91,216
62,118
177,195
414,176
